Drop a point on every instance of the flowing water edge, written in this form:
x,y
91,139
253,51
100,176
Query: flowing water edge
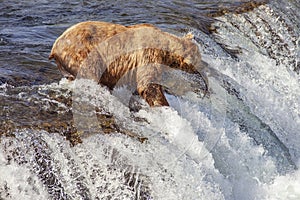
x,y
77,140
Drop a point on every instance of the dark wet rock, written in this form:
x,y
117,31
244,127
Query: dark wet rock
x,y
51,111
237,9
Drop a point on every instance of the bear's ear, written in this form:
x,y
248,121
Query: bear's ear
x,y
189,36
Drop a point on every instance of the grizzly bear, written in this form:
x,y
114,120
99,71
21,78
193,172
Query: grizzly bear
x,y
106,52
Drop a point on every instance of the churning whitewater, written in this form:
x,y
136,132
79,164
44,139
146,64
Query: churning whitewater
x,y
239,142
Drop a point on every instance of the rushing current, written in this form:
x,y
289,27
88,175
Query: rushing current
x,y
78,140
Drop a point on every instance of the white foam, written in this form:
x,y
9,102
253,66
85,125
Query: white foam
x,y
284,187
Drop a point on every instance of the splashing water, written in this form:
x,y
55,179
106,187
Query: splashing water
x,y
241,142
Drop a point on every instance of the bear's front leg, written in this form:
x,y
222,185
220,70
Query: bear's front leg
x,y
148,79
153,94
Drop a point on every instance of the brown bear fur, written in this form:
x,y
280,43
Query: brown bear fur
x,y
105,52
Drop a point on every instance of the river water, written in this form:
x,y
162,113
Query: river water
x,y
240,142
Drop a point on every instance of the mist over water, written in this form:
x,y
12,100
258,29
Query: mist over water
x,y
239,142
